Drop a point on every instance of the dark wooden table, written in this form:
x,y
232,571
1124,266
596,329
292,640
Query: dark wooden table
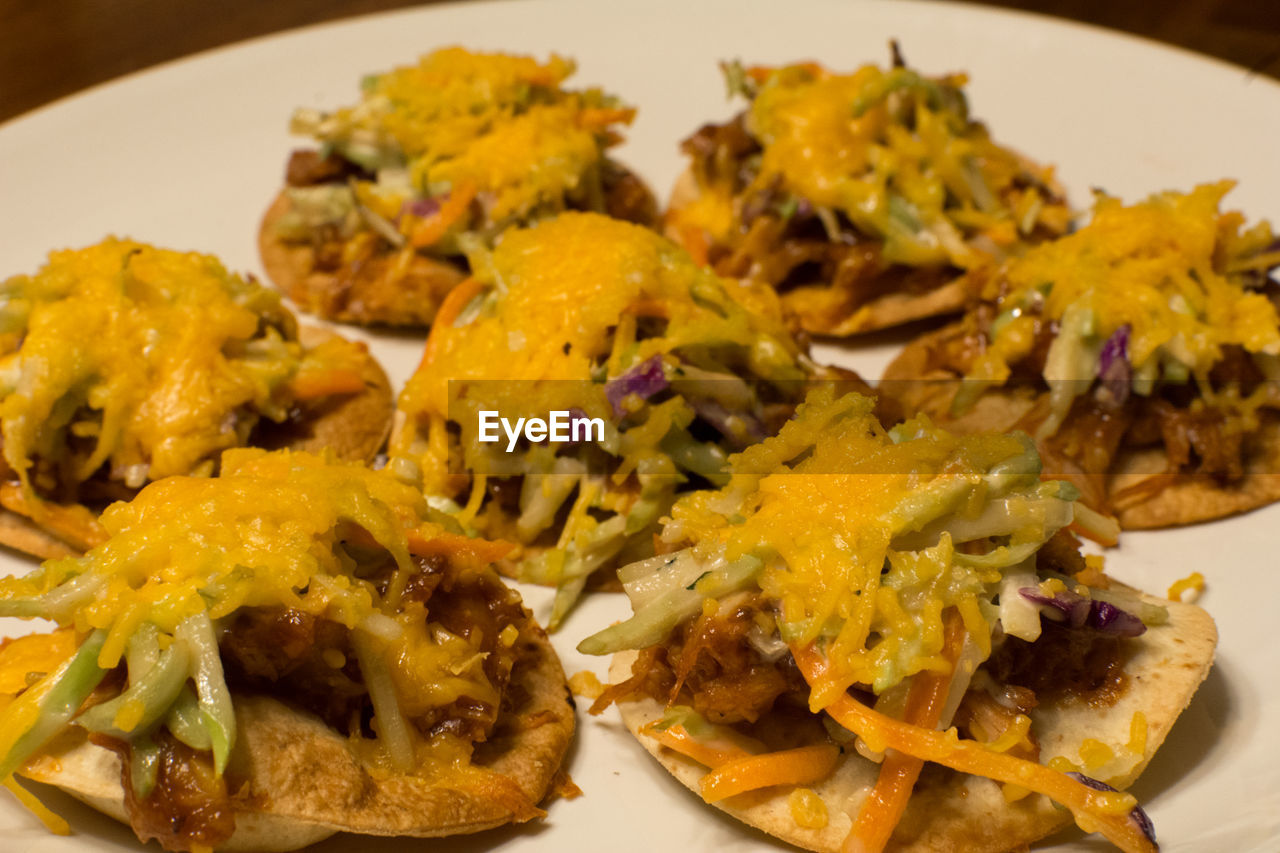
x,y
51,48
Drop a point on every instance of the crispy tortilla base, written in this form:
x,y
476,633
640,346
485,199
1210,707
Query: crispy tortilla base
x,y
818,309
371,293
950,811
1195,498
353,426
22,534
1186,499
374,292
295,781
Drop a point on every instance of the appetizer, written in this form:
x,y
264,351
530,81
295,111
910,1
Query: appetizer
x,y
1142,352
863,198
855,603
122,363
666,368
437,158
296,647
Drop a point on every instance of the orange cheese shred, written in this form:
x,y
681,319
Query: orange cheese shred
x,y
1193,582
325,382
52,822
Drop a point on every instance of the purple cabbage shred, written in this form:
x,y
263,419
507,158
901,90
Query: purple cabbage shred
x,y
644,380
1114,370
1138,816
1076,611
421,207
742,429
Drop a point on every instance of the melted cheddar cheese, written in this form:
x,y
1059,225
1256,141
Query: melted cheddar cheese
x,y
496,125
826,529
589,316
550,303
270,531
148,360
898,155
1170,268
261,534
439,106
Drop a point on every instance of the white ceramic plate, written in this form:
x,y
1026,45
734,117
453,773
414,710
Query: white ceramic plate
x,y
189,154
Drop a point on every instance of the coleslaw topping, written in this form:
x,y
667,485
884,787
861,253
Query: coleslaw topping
x,y
1145,296
330,584
486,138
888,567
609,321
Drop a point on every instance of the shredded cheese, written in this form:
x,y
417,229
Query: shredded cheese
x,y
1193,583
898,155
158,359
552,303
499,124
826,525
33,655
268,532
53,822
807,808
1163,267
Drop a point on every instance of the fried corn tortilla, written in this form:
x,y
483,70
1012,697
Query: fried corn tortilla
x,y
353,426
1141,495
951,811
1190,499
373,293
825,186
392,288
295,781
434,162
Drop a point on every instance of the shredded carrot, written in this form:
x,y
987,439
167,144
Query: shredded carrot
x,y
1093,575
598,118
1080,531
450,308
432,229
1095,811
926,697
457,545
326,382
801,766
711,752
697,243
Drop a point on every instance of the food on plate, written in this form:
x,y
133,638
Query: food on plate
x,y
856,602
122,363
296,647
1142,352
666,368
863,198
374,225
